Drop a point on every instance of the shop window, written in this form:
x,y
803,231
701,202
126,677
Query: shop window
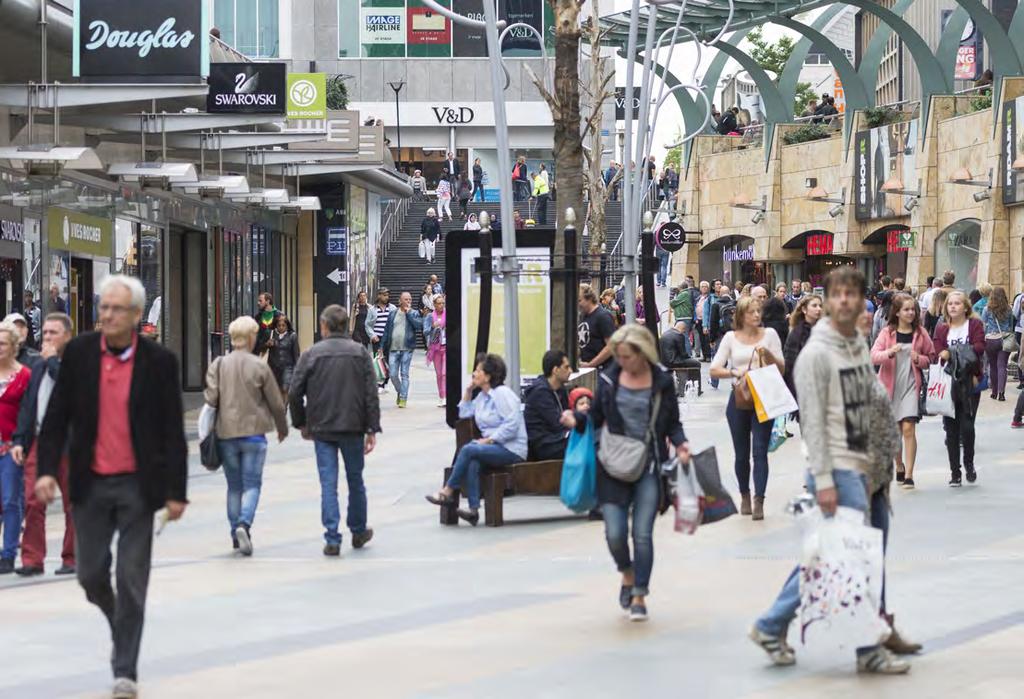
x,y
957,249
250,26
139,254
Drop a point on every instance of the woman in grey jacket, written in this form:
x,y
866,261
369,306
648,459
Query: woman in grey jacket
x,y
248,401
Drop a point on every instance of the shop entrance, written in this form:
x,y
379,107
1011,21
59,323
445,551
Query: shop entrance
x,y
81,307
185,311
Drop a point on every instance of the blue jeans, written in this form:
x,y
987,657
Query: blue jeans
x,y
12,495
351,447
743,425
851,491
243,469
616,532
468,462
399,363
663,260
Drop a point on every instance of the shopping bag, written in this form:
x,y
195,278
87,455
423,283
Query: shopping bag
x,y
939,400
380,366
423,249
771,395
718,504
579,471
778,437
687,498
840,581
209,455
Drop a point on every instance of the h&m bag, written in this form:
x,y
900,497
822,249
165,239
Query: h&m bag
x,y
209,455
939,399
625,458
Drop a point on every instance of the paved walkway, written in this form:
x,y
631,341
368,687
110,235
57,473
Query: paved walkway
x,y
528,610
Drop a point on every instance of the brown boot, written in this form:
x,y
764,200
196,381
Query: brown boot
x,y
744,503
758,507
896,643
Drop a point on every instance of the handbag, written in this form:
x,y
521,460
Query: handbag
x,y
741,393
209,454
688,498
939,398
623,457
578,489
718,504
380,366
1010,343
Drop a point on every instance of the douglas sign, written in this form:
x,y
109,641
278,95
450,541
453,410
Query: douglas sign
x,y
151,41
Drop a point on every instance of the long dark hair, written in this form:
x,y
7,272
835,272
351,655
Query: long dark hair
x,y
894,312
999,304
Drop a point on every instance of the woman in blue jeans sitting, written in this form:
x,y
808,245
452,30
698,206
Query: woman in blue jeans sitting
x,y
498,414
633,388
244,391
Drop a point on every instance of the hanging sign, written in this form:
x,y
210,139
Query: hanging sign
x,y
78,232
246,88
337,241
819,244
900,241
138,42
307,96
670,236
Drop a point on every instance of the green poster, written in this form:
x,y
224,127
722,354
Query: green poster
x,y
78,232
307,95
428,34
382,28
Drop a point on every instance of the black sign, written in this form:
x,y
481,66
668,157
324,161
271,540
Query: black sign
x,y
520,40
468,42
155,40
620,103
863,196
247,88
1012,180
453,115
670,236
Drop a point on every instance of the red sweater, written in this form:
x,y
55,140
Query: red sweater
x,y
975,336
10,402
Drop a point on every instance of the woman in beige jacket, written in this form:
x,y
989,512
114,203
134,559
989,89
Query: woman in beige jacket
x,y
242,388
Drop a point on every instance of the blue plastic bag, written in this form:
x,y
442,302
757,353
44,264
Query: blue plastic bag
x,y
579,471
778,437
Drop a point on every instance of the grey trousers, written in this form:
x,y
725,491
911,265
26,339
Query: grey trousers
x,y
115,504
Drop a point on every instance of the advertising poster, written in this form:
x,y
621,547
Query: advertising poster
x,y
521,41
1013,148
881,154
970,52
468,42
382,28
534,305
247,88
428,34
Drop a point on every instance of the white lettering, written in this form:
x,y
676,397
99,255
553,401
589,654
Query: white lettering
x,y
102,36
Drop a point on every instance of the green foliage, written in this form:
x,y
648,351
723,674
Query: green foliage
x,y
880,116
807,132
804,94
337,93
771,57
674,157
981,101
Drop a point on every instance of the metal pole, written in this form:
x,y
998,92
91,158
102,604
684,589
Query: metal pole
x,y
629,258
647,267
43,63
398,128
509,263
571,287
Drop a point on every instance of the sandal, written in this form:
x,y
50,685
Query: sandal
x,y
440,499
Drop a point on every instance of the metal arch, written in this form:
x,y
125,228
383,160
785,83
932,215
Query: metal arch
x,y
692,118
949,43
853,86
718,64
776,108
1016,31
461,19
549,82
791,73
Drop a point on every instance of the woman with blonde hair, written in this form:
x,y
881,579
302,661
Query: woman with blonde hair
x,y
933,314
14,380
245,394
998,322
636,398
748,346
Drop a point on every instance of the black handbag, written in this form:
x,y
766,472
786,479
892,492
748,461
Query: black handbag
x,y
209,454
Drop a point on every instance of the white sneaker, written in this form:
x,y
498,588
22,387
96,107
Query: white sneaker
x,y
244,541
124,688
882,662
442,403
775,646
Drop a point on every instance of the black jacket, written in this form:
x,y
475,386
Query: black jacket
x,y
542,412
718,305
155,413
728,123
430,229
795,342
337,379
478,173
774,317
25,433
675,348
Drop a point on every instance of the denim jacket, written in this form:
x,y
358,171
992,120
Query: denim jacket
x,y
413,325
994,326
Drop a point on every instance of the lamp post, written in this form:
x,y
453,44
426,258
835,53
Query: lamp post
x,y
397,86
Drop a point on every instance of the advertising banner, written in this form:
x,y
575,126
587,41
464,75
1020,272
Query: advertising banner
x,y
468,42
382,28
247,88
152,41
428,34
521,41
1013,149
882,154
307,95
970,52
78,232
620,103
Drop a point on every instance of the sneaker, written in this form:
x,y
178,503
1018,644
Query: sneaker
x,y
442,403
900,476
403,403
28,571
332,549
882,662
908,484
625,596
398,401
775,646
6,566
65,569
124,688
638,612
954,481
362,539
244,541
972,475
1017,424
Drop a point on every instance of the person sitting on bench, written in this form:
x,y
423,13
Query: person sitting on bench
x,y
497,411
546,399
676,352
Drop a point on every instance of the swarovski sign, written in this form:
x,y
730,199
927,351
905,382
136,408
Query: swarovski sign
x,y
247,88
454,115
152,41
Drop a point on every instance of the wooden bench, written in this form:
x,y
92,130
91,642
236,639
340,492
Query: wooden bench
x,y
498,483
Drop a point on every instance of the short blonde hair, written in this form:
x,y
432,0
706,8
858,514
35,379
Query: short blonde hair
x,y
985,289
13,334
743,307
242,330
639,338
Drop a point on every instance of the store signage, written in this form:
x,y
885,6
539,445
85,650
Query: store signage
x,y
670,236
382,33
819,244
307,96
738,254
620,103
900,241
140,41
337,241
969,52
247,88
453,115
1013,129
78,232
883,154
13,231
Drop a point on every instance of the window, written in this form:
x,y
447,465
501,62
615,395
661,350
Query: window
x,y
251,26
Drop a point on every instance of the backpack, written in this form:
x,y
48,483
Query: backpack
x,y
726,314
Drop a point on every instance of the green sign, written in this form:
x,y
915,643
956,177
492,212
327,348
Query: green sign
x,y
78,232
307,95
908,239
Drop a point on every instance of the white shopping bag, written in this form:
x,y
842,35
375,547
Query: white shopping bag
x,y
688,498
939,399
207,420
840,582
771,395
423,249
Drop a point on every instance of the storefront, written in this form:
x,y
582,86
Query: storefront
x,y
819,258
898,241
731,259
80,247
957,249
12,240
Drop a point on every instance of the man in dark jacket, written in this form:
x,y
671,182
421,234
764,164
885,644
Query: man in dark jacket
x,y
334,402
728,123
116,407
56,333
266,317
546,400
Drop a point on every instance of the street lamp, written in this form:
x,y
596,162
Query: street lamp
x,y
397,86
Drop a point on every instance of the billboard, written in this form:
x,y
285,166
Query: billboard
x,y
969,55
382,28
1013,148
468,42
428,34
881,154
246,88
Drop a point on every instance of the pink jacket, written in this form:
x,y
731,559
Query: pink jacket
x,y
922,344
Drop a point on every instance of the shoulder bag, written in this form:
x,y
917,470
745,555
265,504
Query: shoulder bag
x,y
209,455
741,393
623,457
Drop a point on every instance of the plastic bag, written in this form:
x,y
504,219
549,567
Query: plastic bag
x,y
778,437
578,490
423,249
939,400
840,581
380,367
717,503
687,498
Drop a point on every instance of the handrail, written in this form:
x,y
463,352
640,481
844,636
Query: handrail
x,y
394,216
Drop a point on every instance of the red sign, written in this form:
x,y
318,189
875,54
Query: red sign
x,y
819,244
892,243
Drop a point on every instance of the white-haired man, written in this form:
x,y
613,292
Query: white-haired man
x,y
116,408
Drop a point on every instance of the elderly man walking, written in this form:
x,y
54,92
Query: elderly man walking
x,y
117,408
334,402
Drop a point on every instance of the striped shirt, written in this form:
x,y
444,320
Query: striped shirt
x,y
380,323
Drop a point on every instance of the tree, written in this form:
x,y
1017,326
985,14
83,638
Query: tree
x,y
337,93
773,58
674,157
